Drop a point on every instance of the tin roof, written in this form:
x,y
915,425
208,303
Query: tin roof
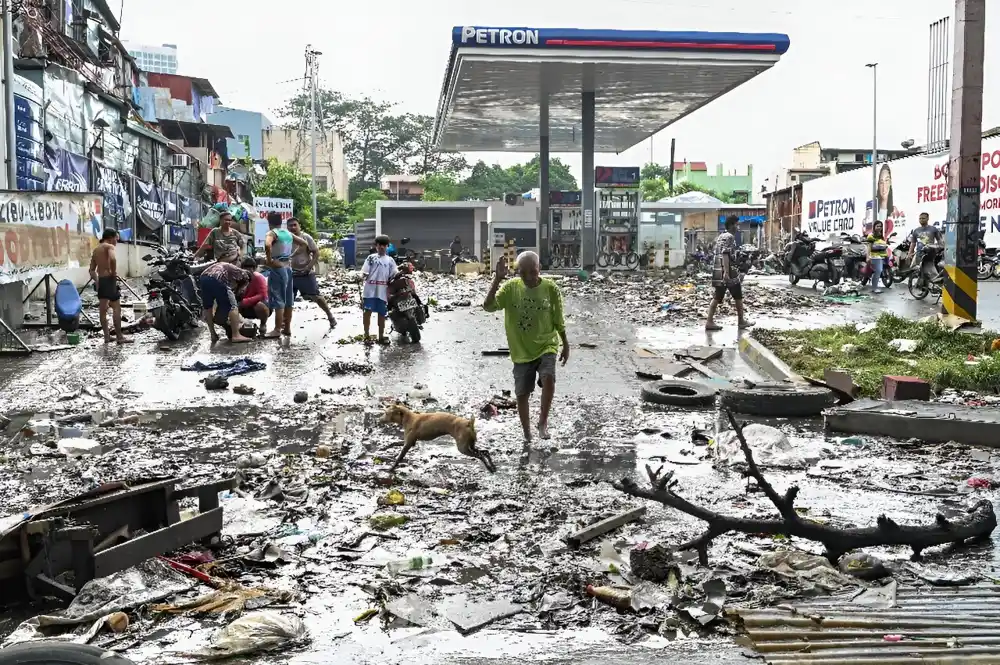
x,y
952,625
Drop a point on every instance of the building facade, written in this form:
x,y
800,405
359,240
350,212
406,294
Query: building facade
x,y
156,59
292,146
402,187
812,160
248,127
738,187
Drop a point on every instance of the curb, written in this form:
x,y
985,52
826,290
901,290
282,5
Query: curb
x,y
763,360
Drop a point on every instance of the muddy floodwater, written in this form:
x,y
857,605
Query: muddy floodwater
x,y
483,541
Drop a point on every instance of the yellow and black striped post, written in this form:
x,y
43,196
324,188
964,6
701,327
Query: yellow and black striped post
x,y
961,288
511,252
651,256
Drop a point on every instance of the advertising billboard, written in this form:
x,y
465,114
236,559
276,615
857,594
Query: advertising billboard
x,y
264,206
42,232
906,188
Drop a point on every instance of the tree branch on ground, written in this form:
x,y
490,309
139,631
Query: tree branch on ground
x,y
976,525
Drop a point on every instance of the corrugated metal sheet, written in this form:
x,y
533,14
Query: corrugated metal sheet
x,y
937,625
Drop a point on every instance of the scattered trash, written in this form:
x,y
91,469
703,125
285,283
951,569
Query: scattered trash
x,y
597,529
254,633
814,573
244,390
393,498
323,452
79,447
618,598
216,382
862,566
227,368
340,367
979,483
903,345
386,522
117,622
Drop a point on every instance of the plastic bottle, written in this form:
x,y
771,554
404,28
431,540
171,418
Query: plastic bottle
x,y
617,598
413,563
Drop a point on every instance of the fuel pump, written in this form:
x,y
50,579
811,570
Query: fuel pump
x,y
618,201
565,222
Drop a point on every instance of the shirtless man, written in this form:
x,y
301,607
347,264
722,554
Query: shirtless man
x,y
104,272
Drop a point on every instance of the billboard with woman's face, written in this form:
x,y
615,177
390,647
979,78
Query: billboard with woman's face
x,y
904,189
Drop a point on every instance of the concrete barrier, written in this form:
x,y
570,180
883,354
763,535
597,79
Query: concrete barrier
x,y
764,361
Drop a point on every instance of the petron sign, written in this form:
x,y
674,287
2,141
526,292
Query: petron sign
x,y
571,38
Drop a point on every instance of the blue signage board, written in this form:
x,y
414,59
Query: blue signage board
x,y
743,219
564,198
570,38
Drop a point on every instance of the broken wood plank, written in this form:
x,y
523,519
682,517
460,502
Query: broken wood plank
x,y
705,371
597,529
702,353
157,542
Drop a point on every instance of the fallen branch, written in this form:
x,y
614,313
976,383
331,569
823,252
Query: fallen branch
x,y
976,525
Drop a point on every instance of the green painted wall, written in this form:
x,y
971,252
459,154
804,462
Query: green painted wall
x,y
724,184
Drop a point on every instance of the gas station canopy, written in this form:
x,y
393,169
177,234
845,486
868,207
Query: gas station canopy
x,y
642,80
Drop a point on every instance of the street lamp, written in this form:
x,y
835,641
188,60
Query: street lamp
x,y
874,67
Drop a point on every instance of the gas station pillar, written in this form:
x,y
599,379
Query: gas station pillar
x,y
961,288
588,232
544,228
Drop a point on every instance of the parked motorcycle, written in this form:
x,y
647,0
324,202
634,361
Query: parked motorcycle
x,y
748,256
887,267
404,254
987,261
929,278
406,312
855,256
68,306
173,298
804,262
902,267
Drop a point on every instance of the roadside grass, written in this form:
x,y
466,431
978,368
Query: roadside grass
x,y
940,356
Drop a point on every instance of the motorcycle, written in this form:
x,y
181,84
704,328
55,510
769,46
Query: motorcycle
x,y
902,268
747,257
406,312
987,261
929,277
173,298
887,268
804,262
408,255
855,256
464,257
68,306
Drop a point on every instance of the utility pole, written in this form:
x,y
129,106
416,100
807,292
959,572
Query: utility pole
x,y
874,67
961,289
670,181
312,64
9,137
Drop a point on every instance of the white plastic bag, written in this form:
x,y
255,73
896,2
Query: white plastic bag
x,y
259,631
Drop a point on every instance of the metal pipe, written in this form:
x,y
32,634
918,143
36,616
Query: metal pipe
x,y
8,94
312,130
874,68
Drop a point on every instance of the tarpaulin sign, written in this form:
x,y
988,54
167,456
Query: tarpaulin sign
x,y
66,171
149,205
42,232
266,205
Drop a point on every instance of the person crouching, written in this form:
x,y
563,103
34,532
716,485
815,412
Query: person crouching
x,y
220,284
253,305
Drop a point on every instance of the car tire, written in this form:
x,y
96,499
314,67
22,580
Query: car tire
x,y
678,392
58,652
777,400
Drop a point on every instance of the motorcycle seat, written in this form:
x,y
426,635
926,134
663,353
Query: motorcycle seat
x,y
67,300
199,268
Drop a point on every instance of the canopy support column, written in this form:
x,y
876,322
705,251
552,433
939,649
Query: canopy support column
x,y
588,233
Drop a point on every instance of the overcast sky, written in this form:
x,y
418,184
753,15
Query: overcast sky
x,y
397,49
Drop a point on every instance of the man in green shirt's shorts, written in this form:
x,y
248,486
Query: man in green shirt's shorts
x,y
533,320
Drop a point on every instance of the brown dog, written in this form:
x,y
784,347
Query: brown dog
x,y
428,426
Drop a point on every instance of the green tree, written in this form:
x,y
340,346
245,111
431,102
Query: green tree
x,y
492,181
284,181
363,205
442,187
654,189
426,158
652,170
334,214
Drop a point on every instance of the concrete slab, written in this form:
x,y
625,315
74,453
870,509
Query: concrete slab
x,y
763,360
930,422
702,353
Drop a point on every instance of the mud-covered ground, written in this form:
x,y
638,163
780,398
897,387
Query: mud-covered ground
x,y
480,537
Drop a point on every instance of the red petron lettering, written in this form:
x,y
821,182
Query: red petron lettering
x,y
11,245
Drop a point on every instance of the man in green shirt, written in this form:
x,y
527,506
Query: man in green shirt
x,y
533,320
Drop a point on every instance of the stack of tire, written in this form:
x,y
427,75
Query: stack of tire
x,y
772,400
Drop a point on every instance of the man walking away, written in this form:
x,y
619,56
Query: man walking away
x,y
456,247
278,247
725,277
224,242
377,271
533,320
104,272
253,305
220,284
304,260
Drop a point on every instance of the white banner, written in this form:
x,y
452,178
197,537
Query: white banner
x,y
44,232
264,206
906,188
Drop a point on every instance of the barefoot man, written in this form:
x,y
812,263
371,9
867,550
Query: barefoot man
x,y
533,319
104,272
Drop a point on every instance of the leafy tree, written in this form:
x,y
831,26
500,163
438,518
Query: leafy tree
x,y
651,171
426,157
334,214
442,187
654,189
284,181
493,181
363,206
